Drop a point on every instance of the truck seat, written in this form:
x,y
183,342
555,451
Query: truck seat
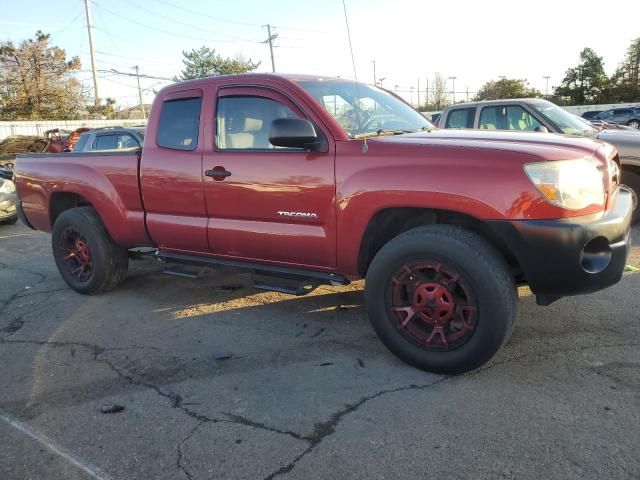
x,y
247,137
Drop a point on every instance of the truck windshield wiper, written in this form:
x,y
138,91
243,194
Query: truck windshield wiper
x,y
381,132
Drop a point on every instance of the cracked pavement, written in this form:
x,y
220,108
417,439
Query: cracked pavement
x,y
309,392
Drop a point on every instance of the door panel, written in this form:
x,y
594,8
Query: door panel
x,y
276,205
171,175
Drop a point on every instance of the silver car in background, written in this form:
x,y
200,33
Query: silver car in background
x,y
8,198
622,116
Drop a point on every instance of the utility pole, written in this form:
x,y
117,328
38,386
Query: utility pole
x,y
427,101
546,90
375,79
92,53
270,40
453,88
144,113
418,92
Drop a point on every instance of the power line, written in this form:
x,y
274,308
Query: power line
x,y
75,19
129,74
190,37
133,58
190,25
226,20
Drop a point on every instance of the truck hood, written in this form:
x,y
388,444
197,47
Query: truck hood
x,y
545,146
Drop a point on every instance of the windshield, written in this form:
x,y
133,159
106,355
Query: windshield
x,y
569,124
363,110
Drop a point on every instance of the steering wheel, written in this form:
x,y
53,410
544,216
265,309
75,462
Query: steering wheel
x,y
373,124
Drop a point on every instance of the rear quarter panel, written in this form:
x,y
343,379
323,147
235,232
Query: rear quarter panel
x,y
108,181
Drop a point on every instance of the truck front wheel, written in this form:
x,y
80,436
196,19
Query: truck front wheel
x,y
441,299
86,256
632,180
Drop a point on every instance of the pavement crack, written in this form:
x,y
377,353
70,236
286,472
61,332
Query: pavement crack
x,y
16,295
179,461
233,418
325,429
175,399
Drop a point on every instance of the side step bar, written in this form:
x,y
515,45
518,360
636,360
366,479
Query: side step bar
x,y
293,281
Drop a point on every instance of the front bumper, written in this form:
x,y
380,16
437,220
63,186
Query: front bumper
x,y
571,256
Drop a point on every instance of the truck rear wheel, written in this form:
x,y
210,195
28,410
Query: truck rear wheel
x,y
86,256
441,299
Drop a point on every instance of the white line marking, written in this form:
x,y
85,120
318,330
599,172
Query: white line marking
x,y
18,235
69,457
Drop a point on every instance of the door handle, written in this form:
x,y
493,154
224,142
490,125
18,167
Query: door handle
x,y
218,173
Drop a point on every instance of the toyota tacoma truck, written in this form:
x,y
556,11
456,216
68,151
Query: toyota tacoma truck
x,y
308,181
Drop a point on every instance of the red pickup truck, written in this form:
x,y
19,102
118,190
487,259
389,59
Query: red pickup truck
x,y
308,181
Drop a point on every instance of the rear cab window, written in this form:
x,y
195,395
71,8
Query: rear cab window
x,y
461,118
179,123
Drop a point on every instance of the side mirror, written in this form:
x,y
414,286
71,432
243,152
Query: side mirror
x,y
296,133
541,129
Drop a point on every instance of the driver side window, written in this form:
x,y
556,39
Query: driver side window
x,y
244,122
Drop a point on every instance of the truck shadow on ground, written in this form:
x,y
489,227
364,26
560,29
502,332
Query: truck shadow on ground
x,y
170,332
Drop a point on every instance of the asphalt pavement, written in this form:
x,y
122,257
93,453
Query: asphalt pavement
x,y
219,380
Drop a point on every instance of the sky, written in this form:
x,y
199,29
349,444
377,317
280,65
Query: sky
x,y
409,40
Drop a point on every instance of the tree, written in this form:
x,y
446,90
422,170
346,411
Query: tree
x,y
437,97
36,81
205,62
586,83
506,88
107,110
626,79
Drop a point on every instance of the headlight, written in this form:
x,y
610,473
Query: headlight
x,y
7,186
573,184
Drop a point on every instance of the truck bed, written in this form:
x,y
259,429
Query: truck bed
x,y
106,180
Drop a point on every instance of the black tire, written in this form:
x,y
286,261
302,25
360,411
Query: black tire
x,y
108,261
632,180
482,270
11,221
635,123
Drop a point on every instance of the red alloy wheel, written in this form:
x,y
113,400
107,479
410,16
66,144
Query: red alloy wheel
x,y
432,306
77,259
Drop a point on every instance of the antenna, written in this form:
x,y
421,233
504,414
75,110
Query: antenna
x,y
353,60
365,147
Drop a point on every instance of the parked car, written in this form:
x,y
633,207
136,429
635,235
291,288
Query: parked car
x,y
534,114
624,116
309,181
591,114
8,198
110,138
61,140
